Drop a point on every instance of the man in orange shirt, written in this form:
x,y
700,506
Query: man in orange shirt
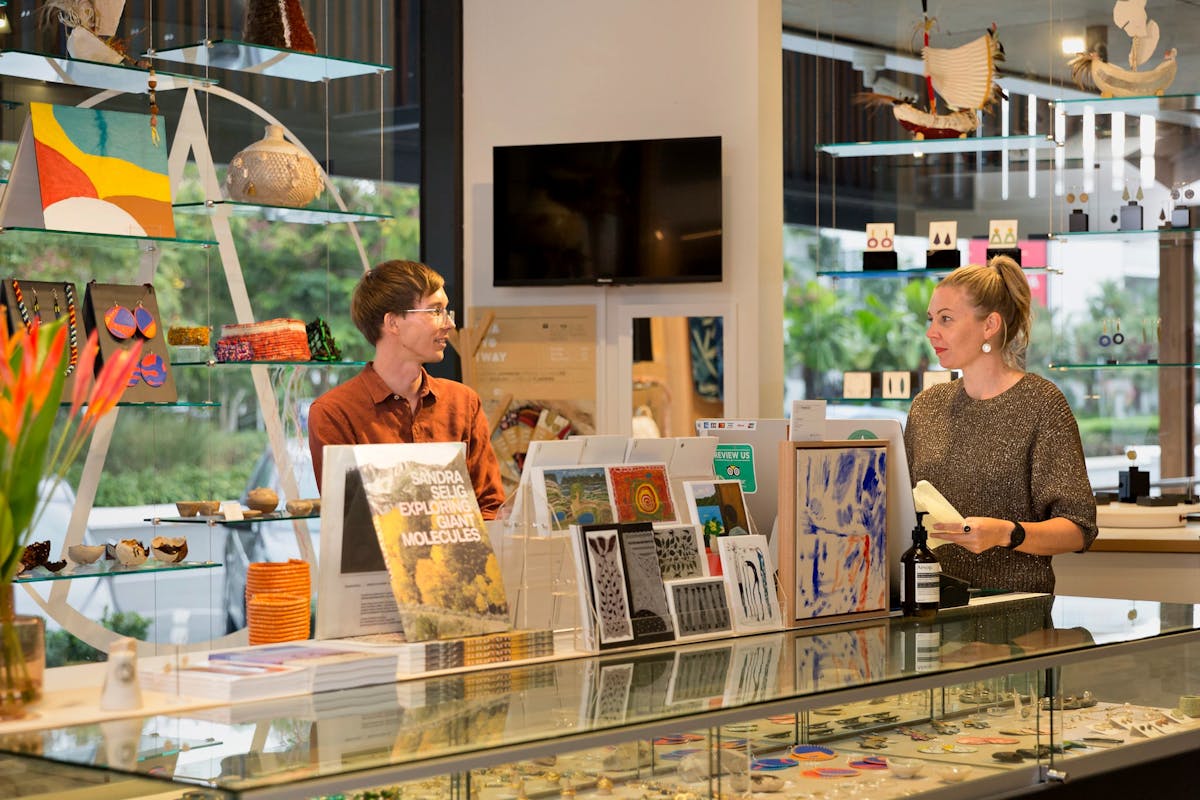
x,y
401,309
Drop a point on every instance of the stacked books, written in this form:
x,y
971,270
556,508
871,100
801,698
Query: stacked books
x,y
414,658
332,666
224,681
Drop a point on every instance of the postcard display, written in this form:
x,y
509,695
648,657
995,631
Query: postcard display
x,y
622,555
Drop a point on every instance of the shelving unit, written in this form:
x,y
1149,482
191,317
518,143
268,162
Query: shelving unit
x,y
260,59
78,72
109,569
187,143
301,216
923,147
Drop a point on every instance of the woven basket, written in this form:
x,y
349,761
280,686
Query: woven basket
x,y
273,172
270,340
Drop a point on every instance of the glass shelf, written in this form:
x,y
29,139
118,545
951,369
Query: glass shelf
x,y
77,72
303,216
214,363
870,400
1064,366
175,404
913,273
1162,233
103,568
35,234
263,60
1148,104
276,516
913,147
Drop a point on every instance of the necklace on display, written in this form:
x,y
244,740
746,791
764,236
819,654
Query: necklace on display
x,y
72,327
21,309
72,316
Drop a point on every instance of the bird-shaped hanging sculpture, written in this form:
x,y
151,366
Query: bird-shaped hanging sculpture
x,y
1088,69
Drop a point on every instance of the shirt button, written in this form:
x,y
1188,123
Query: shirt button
x,y
395,397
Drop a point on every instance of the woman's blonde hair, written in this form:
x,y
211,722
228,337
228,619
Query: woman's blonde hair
x,y
1001,286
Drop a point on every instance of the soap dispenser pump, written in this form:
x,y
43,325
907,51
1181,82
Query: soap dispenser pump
x,y
921,574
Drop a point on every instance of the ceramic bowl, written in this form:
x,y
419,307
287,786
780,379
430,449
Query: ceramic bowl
x,y
953,774
169,549
188,508
905,767
131,552
299,508
209,507
262,499
85,553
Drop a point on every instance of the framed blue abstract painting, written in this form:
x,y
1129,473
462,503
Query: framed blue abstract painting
x,y
833,531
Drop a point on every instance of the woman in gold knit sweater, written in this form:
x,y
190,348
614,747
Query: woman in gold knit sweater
x,y
1001,444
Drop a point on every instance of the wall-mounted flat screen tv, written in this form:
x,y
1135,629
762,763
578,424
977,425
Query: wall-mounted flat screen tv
x,y
637,211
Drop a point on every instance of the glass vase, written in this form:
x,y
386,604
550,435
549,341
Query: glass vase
x,y
22,658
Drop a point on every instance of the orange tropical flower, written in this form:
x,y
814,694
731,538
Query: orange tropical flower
x,y
33,366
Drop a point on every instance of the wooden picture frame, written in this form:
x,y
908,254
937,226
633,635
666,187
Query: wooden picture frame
x,y
833,531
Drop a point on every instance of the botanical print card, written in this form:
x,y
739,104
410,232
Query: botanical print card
x,y
648,610
602,586
641,493
680,552
699,607
746,565
718,507
833,549
566,496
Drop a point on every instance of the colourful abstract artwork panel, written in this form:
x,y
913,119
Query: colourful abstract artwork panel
x,y
100,172
840,531
572,495
641,493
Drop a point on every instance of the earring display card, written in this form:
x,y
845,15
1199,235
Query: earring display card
x,y
880,252
122,314
897,385
1003,239
942,251
856,385
47,301
932,377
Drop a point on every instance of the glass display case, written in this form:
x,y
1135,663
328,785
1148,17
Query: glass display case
x,y
983,701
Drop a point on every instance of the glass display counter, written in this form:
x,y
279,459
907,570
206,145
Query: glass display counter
x,y
983,701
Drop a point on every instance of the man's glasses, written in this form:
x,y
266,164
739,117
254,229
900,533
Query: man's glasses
x,y
438,314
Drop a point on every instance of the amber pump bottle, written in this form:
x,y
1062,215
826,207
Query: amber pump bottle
x,y
920,586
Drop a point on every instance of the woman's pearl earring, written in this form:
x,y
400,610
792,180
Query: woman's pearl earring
x,y
987,347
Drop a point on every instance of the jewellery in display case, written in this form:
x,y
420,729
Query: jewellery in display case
x,y
914,734
604,785
873,742
946,748
945,728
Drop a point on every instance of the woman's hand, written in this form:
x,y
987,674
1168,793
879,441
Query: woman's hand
x,y
975,533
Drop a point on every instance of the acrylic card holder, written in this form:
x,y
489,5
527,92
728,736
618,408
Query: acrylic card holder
x,y
121,315
45,301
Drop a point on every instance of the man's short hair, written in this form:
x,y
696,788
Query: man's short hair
x,y
393,286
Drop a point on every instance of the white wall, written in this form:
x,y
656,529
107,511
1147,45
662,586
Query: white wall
x,y
542,71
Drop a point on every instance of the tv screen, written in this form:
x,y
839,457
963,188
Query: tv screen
x,y
638,211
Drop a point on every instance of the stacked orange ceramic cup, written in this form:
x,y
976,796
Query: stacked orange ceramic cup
x,y
278,601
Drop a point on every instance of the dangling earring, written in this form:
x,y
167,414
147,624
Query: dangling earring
x,y
987,347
